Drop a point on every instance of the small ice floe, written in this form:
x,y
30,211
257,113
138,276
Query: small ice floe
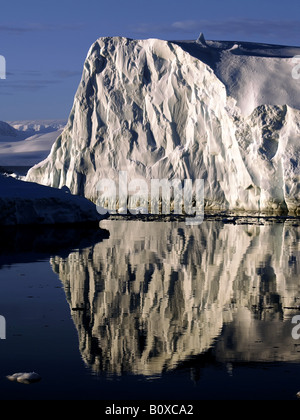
x,y
25,377
298,395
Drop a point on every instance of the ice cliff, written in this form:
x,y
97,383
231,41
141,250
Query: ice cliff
x,y
222,112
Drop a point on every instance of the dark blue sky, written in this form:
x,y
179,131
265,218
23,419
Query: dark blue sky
x,y
45,43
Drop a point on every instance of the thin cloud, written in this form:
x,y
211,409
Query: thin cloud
x,y
14,29
39,27
29,86
66,74
34,80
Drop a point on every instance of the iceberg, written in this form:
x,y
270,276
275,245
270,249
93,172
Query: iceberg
x,y
27,203
224,112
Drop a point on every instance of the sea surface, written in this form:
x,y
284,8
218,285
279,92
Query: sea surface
x,y
148,310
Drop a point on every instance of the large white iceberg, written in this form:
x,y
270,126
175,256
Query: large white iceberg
x,y
222,112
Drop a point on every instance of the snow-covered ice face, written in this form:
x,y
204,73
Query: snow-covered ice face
x,y
2,67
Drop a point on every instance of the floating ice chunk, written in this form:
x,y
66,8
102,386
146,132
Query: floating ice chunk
x,y
27,203
25,377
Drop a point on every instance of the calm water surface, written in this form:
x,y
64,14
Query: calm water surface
x,y
152,310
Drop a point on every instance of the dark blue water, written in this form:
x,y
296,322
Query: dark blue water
x,y
152,310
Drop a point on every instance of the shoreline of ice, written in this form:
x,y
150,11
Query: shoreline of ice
x,y
28,203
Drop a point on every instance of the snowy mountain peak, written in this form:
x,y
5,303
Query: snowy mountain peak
x,y
39,126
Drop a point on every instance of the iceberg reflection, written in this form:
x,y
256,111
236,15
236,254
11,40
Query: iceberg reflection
x,y
154,294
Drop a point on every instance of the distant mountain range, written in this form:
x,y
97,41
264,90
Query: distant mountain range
x,y
26,143
38,126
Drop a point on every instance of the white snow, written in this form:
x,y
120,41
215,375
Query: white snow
x,y
25,203
225,112
27,152
253,74
38,126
